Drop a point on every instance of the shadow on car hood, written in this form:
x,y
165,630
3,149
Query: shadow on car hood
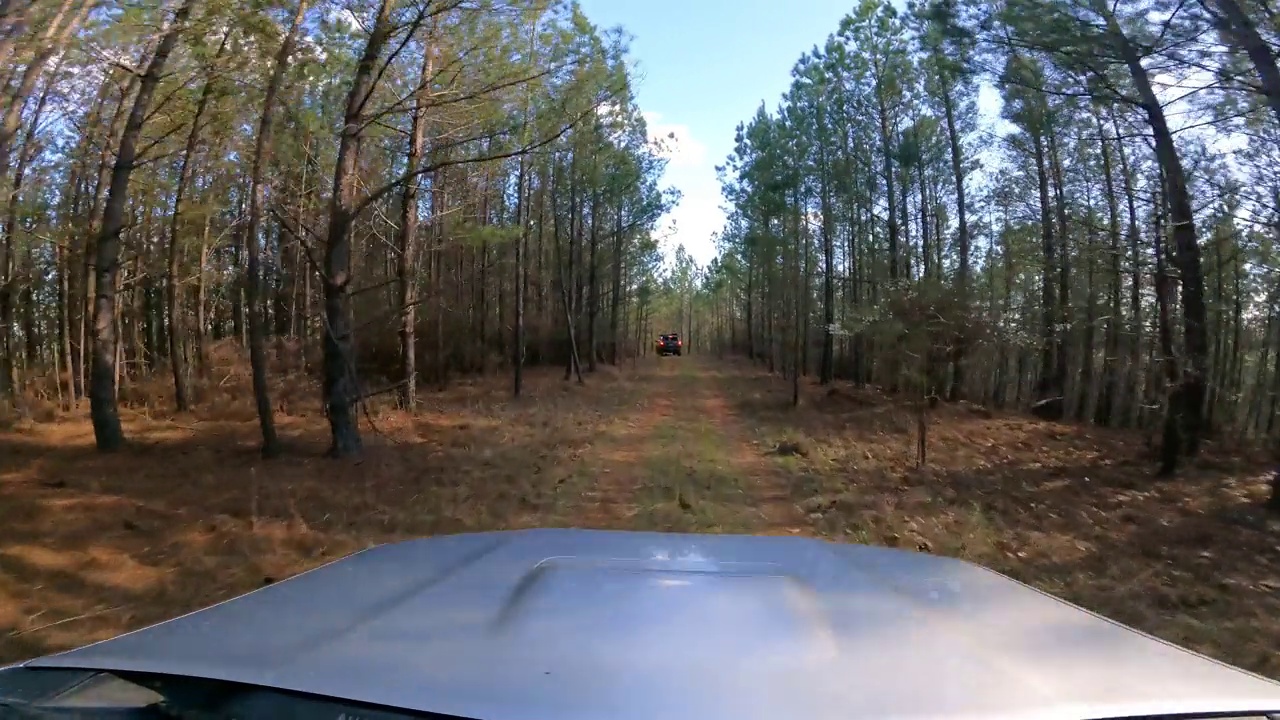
x,y
593,625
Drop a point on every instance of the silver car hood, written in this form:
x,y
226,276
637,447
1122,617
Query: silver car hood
x,y
590,625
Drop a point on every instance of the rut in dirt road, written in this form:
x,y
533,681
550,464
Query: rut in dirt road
x,y
682,461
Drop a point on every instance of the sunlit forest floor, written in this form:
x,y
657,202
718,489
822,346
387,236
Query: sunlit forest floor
x,y
91,545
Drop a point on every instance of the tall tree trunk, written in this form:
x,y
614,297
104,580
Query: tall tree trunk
x,y
257,199
1015,378
439,205
568,279
1236,387
1048,385
102,392
1172,434
615,301
480,260
904,205
236,291
175,226
886,150
407,241
1191,391
1088,388
201,298
77,254
962,223
806,306
566,291
593,287
751,304
1109,407
523,212
341,386
522,245
926,250
1218,366
105,167
797,303
826,372
1134,393
63,260
1064,321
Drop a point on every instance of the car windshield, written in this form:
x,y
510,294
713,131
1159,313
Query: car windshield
x,y
49,694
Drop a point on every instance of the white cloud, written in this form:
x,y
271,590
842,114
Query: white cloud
x,y
698,216
679,145
696,219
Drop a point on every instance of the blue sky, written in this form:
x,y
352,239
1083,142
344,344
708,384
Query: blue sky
x,y
704,66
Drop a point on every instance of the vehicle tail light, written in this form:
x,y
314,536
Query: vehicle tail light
x,y
680,343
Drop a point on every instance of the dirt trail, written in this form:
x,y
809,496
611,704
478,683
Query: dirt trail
x,y
683,460
767,486
610,476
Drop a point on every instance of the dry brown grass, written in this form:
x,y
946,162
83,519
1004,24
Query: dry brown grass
x,y
1072,510
189,514
93,545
